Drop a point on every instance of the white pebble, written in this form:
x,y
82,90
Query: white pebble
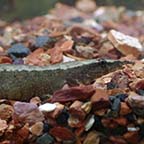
x,y
47,107
90,123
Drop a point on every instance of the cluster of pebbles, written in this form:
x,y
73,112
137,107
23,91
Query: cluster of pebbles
x,y
108,111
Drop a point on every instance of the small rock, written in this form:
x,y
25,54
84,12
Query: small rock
x,y
76,110
46,127
90,123
86,5
125,44
47,107
18,61
45,139
27,113
42,41
92,138
87,107
132,129
73,121
57,111
100,99
115,107
18,51
35,100
131,137
124,109
62,118
3,126
117,140
67,59
5,59
62,133
6,111
37,129
85,51
135,100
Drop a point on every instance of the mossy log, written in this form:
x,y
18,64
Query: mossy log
x,y
22,82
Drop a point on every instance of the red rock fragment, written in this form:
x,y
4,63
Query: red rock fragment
x,y
34,58
114,122
5,60
139,69
139,84
56,55
131,137
3,126
121,121
124,109
117,140
120,80
62,133
66,46
109,123
22,134
100,99
74,93
76,111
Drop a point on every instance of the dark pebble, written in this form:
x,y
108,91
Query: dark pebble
x,y
120,130
97,124
111,85
42,41
140,92
77,19
122,97
46,127
139,112
62,118
18,51
141,132
45,139
116,105
84,40
18,61
131,117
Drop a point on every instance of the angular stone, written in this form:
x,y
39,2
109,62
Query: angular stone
x,y
90,123
6,111
131,137
27,113
18,51
135,100
3,126
125,44
92,138
76,110
124,109
37,128
45,139
100,99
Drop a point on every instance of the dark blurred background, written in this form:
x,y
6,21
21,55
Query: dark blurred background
x,y
22,9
